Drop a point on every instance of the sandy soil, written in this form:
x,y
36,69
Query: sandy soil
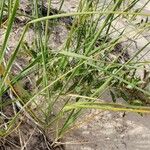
x,y
112,131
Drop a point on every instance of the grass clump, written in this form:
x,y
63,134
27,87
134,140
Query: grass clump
x,y
94,57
